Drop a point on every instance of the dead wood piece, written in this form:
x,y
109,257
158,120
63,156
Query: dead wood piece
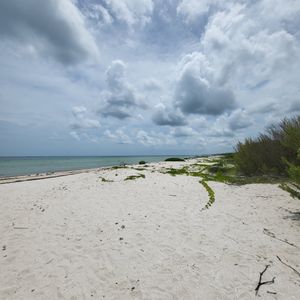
x,y
260,282
272,235
18,227
298,273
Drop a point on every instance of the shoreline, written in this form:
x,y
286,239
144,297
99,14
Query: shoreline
x,y
55,174
40,176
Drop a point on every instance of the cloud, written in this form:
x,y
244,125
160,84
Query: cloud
x,y
239,120
55,29
182,132
81,121
249,48
197,92
166,117
130,12
75,135
152,84
154,139
221,71
118,136
97,13
263,108
120,98
191,10
295,106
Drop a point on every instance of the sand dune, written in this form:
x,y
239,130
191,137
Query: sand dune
x,y
78,237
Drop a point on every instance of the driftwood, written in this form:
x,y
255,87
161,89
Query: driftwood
x,y
298,273
19,227
260,282
272,235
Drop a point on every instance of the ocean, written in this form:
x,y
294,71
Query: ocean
x,y
14,166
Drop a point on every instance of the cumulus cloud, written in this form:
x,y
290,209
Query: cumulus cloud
x,y
167,117
239,120
191,10
182,132
118,136
152,84
263,108
249,49
154,138
97,13
197,92
81,120
130,12
55,29
222,70
120,98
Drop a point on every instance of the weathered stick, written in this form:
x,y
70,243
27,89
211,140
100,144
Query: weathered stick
x,y
272,235
298,273
260,282
18,227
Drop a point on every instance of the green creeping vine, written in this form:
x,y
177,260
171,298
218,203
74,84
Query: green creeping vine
x,y
211,193
133,177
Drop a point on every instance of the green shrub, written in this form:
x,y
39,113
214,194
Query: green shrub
x,y
142,162
270,152
294,170
174,159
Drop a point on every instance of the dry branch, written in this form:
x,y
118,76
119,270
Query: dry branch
x,y
272,235
260,282
298,273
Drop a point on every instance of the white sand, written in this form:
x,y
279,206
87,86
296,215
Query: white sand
x,y
60,238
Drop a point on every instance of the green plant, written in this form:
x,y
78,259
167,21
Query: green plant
x,y
211,193
264,154
105,180
142,162
119,167
174,159
174,172
292,191
133,177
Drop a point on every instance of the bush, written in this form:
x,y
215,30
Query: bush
x,y
174,159
294,170
272,151
142,162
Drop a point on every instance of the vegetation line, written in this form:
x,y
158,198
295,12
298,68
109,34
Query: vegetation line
x,y
211,193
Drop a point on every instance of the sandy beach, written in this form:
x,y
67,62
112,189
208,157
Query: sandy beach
x,y
95,235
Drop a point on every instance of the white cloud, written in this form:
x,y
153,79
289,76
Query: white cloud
x,y
75,135
239,120
164,116
120,98
197,91
81,120
191,10
184,132
131,12
118,136
55,29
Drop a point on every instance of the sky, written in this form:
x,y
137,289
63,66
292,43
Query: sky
x,y
138,77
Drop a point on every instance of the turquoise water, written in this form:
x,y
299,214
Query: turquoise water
x,y
13,166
